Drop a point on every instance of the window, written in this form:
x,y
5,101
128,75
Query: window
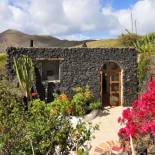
x,y
50,70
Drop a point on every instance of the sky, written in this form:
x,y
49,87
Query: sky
x,y
78,19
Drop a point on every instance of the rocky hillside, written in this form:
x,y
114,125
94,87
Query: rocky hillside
x,y
18,39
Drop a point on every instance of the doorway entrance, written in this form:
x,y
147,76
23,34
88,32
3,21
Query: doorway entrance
x,y
110,84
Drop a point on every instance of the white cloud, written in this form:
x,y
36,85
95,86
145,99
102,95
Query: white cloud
x,y
86,15
11,16
5,14
143,12
74,19
75,37
55,17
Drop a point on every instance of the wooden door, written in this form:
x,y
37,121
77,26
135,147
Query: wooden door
x,y
110,84
114,85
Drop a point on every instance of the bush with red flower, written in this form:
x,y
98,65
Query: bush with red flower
x,y
139,121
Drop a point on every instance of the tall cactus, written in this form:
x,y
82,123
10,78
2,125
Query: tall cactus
x,y
24,69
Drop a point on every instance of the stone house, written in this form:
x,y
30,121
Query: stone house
x,y
110,72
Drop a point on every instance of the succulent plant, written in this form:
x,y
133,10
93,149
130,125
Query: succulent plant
x,y
24,69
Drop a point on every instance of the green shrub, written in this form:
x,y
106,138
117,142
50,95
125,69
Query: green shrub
x,y
61,105
11,117
142,69
129,39
36,130
81,103
82,134
81,100
2,64
45,131
95,105
145,46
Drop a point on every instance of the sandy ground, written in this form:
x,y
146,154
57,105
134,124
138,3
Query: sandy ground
x,y
108,126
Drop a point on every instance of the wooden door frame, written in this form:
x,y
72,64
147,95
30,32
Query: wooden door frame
x,y
101,88
120,93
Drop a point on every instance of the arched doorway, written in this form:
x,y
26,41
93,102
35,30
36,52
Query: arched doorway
x,y
110,84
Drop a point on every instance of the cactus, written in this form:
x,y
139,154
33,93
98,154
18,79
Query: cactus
x,y
24,70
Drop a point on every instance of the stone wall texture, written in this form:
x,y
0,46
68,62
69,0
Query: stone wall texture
x,y
81,66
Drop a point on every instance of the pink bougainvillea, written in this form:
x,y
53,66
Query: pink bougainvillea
x,y
139,120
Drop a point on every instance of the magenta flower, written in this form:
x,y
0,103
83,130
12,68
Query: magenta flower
x,y
139,120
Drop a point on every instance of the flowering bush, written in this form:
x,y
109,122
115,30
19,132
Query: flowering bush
x,y
139,120
61,105
36,130
81,103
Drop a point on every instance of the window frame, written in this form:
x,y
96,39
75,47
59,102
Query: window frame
x,y
41,60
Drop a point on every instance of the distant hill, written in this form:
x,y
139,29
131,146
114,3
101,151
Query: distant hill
x,y
18,39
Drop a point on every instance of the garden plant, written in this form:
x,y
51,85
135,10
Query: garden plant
x,y
80,104
139,121
37,129
145,47
24,69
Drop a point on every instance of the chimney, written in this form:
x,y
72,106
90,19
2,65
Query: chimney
x,y
31,43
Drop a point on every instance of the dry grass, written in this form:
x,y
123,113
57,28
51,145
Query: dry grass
x,y
2,63
104,43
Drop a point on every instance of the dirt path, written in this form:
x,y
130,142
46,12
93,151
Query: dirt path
x,y
108,126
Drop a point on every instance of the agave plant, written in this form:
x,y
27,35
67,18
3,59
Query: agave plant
x,y
24,69
146,44
145,47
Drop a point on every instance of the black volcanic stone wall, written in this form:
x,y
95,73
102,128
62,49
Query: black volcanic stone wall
x,y
81,66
